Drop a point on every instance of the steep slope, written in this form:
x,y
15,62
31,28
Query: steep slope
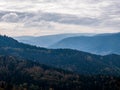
x,y
45,41
99,44
17,71
19,74
72,60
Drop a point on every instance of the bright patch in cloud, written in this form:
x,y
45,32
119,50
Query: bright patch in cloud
x,y
39,17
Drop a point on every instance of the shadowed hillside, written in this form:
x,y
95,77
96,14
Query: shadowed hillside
x,y
72,60
19,74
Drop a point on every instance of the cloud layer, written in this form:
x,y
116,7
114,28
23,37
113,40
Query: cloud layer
x,y
38,17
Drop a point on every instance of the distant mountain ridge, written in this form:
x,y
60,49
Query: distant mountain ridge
x,y
47,40
99,44
67,59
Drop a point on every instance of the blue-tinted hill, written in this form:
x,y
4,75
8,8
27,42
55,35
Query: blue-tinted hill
x,y
45,41
99,44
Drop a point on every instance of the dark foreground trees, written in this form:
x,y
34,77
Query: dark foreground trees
x,y
19,74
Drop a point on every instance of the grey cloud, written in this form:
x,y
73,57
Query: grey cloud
x,y
10,17
41,24
48,17
60,15
110,17
63,18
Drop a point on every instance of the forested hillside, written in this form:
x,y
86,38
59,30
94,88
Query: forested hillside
x,y
72,60
19,74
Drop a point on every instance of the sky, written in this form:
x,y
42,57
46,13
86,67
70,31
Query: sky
x,y
44,17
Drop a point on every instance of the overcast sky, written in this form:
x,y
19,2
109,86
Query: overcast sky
x,y
42,17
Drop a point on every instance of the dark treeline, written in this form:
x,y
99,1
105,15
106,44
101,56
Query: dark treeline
x,y
19,74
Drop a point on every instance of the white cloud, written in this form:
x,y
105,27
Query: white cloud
x,y
10,17
79,7
54,15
